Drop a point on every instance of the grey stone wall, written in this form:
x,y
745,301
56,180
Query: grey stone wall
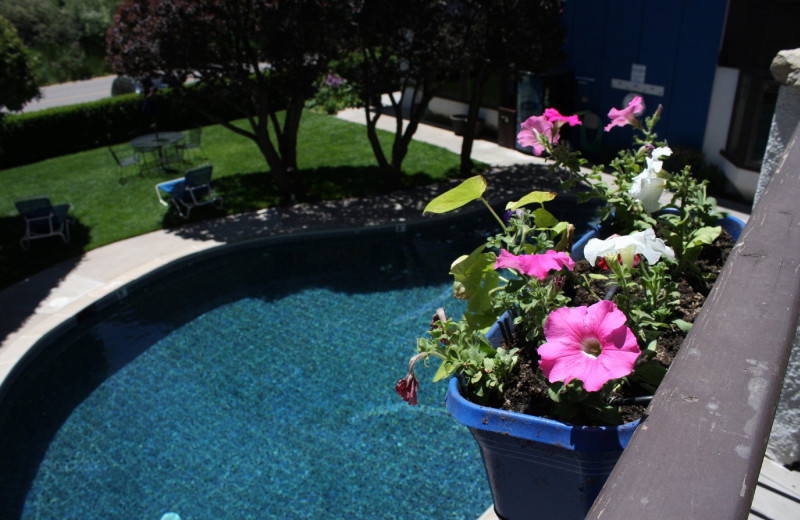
x,y
784,441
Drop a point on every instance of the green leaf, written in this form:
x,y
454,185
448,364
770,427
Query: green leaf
x,y
596,276
445,369
685,326
560,227
534,197
704,236
650,373
469,190
487,349
470,271
544,219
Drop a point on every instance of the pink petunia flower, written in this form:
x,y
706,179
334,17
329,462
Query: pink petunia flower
x,y
535,265
536,131
539,131
592,344
627,115
557,119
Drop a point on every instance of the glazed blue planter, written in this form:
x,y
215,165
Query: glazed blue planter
x,y
537,467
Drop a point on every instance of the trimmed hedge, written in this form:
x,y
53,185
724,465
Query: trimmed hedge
x,y
32,137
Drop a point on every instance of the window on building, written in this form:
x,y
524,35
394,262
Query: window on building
x,y
756,96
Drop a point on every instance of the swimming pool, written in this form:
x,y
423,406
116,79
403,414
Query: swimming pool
x,y
254,383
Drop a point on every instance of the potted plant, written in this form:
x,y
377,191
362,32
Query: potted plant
x,y
563,342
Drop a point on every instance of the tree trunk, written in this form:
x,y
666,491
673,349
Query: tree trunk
x,y
403,138
276,165
372,135
287,144
476,96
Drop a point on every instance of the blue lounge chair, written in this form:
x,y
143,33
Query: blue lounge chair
x,y
191,190
43,220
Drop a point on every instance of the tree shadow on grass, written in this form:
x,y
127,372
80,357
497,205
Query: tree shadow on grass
x,y
245,195
21,299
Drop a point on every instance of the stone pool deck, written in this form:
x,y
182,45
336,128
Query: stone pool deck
x,y
51,299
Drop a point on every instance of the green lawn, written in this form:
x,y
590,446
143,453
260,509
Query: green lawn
x,y
333,155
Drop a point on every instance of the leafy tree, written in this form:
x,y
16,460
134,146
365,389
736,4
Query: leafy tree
x,y
506,36
404,52
66,36
17,85
258,57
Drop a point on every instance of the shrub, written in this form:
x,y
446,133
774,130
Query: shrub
x,y
35,136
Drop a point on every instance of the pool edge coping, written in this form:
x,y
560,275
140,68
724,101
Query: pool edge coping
x,y
41,326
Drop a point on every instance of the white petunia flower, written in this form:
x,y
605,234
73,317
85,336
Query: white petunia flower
x,y
647,189
627,247
648,186
654,162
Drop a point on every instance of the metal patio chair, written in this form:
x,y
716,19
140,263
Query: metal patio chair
x,y
125,158
193,143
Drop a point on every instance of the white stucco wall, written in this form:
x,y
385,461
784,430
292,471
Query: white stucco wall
x,y
785,120
448,107
723,96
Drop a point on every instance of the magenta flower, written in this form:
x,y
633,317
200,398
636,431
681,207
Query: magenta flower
x,y
557,119
407,388
625,116
539,131
592,344
535,265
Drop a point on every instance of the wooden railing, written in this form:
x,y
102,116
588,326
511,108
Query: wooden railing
x,y
699,452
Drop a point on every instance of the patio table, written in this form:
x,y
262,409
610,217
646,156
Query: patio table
x,y
158,143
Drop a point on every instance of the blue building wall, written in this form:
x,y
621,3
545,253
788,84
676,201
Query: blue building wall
x,y
676,41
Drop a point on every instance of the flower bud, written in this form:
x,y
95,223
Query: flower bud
x,y
459,291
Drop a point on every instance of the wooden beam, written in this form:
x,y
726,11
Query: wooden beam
x,y
699,452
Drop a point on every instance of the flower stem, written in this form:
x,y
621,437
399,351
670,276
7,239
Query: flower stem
x,y
496,217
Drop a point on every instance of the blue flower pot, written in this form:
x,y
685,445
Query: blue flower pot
x,y
537,467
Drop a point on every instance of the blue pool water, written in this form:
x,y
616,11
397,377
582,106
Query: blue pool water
x,y
252,384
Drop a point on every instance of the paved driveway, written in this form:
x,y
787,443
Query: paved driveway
x,y
72,93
